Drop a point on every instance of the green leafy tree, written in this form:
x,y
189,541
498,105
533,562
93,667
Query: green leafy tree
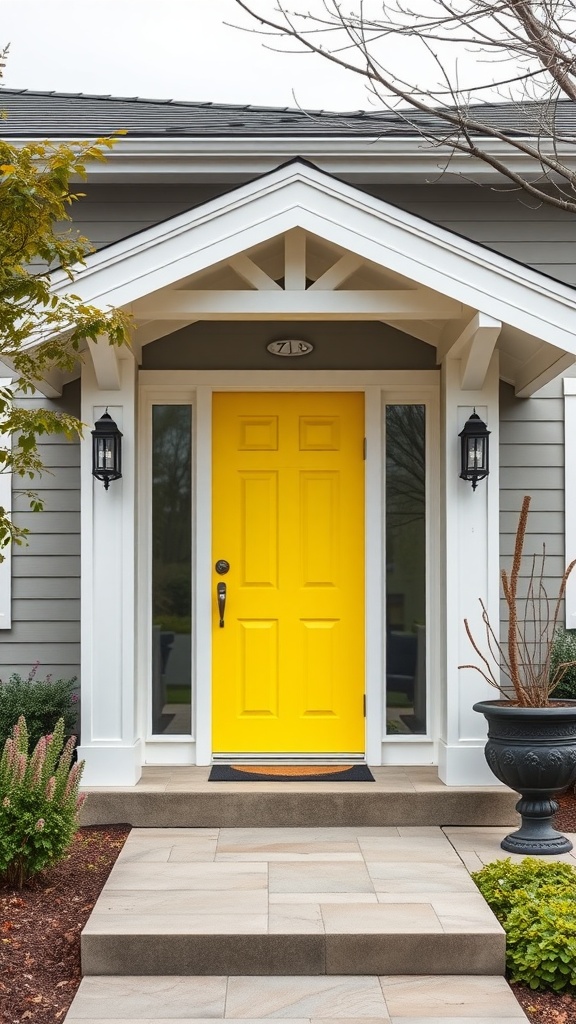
x,y
41,331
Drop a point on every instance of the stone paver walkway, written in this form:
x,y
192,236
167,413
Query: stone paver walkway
x,y
308,1000
337,893
330,902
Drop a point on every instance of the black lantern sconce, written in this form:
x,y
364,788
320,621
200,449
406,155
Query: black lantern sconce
x,y
474,450
106,450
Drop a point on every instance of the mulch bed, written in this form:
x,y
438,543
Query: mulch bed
x,y
40,929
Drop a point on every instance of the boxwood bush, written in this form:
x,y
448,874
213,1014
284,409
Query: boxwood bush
x,y
42,702
535,902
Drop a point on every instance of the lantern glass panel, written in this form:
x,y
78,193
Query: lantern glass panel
x,y
477,453
104,453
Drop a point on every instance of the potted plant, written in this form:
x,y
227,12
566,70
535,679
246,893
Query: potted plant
x,y
531,736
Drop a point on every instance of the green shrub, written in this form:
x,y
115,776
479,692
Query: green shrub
x,y
564,650
41,701
535,903
39,802
541,943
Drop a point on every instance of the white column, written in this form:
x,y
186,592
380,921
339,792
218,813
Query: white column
x,y
110,743
570,496
470,563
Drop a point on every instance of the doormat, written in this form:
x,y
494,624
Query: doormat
x,y
290,773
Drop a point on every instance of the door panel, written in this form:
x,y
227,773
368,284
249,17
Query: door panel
x,y
288,499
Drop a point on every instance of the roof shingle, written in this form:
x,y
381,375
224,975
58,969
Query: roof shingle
x,y
52,114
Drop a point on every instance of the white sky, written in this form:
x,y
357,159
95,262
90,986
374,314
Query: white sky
x,y
168,49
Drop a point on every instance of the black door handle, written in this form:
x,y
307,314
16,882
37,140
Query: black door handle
x,y
221,593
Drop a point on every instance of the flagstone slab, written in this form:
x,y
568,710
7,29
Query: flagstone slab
x,y
296,1000
268,913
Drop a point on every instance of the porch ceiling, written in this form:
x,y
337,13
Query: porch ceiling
x,y
297,244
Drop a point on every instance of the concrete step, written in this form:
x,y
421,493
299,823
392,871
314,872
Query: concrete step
x,y
170,797
291,901
302,1000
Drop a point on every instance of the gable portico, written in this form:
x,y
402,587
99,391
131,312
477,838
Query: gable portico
x,y
298,247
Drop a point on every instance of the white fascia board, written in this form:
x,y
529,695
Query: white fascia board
x,y
297,195
362,158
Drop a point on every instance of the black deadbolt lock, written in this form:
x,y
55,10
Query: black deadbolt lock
x,y
222,566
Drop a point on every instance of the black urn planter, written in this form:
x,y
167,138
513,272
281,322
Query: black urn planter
x,y
533,751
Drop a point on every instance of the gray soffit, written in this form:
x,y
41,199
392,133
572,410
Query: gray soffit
x,y
51,114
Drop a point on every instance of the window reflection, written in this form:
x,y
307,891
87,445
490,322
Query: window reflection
x,y
405,569
171,569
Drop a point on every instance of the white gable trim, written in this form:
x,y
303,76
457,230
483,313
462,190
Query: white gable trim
x,y
299,196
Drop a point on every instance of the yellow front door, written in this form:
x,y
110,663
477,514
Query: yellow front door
x,y
288,501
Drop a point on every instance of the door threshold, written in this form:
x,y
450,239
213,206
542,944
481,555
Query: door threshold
x,y
289,759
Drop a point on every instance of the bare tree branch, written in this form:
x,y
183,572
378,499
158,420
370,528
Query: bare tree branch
x,y
535,39
525,659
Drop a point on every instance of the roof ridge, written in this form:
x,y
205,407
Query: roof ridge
x,y
206,104
174,103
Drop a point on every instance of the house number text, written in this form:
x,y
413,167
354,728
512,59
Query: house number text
x,y
290,348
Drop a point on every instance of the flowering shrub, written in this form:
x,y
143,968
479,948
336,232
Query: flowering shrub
x,y
41,701
39,802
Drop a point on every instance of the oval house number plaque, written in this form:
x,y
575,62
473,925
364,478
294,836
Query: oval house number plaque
x,y
290,347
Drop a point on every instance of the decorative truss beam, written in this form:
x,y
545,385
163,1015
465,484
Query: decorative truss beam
x,y
252,274
390,305
338,272
295,260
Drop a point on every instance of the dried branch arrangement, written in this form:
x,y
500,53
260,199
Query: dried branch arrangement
x,y
524,659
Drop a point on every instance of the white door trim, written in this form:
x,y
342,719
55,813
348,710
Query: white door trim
x,y
196,387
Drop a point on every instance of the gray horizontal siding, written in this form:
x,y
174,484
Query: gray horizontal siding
x,y
531,457
48,654
43,565
541,236
47,608
533,546
550,432
532,462
39,631
550,478
554,563
110,212
28,589
55,500
544,501
60,456
59,477
46,571
50,522
52,544
536,411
